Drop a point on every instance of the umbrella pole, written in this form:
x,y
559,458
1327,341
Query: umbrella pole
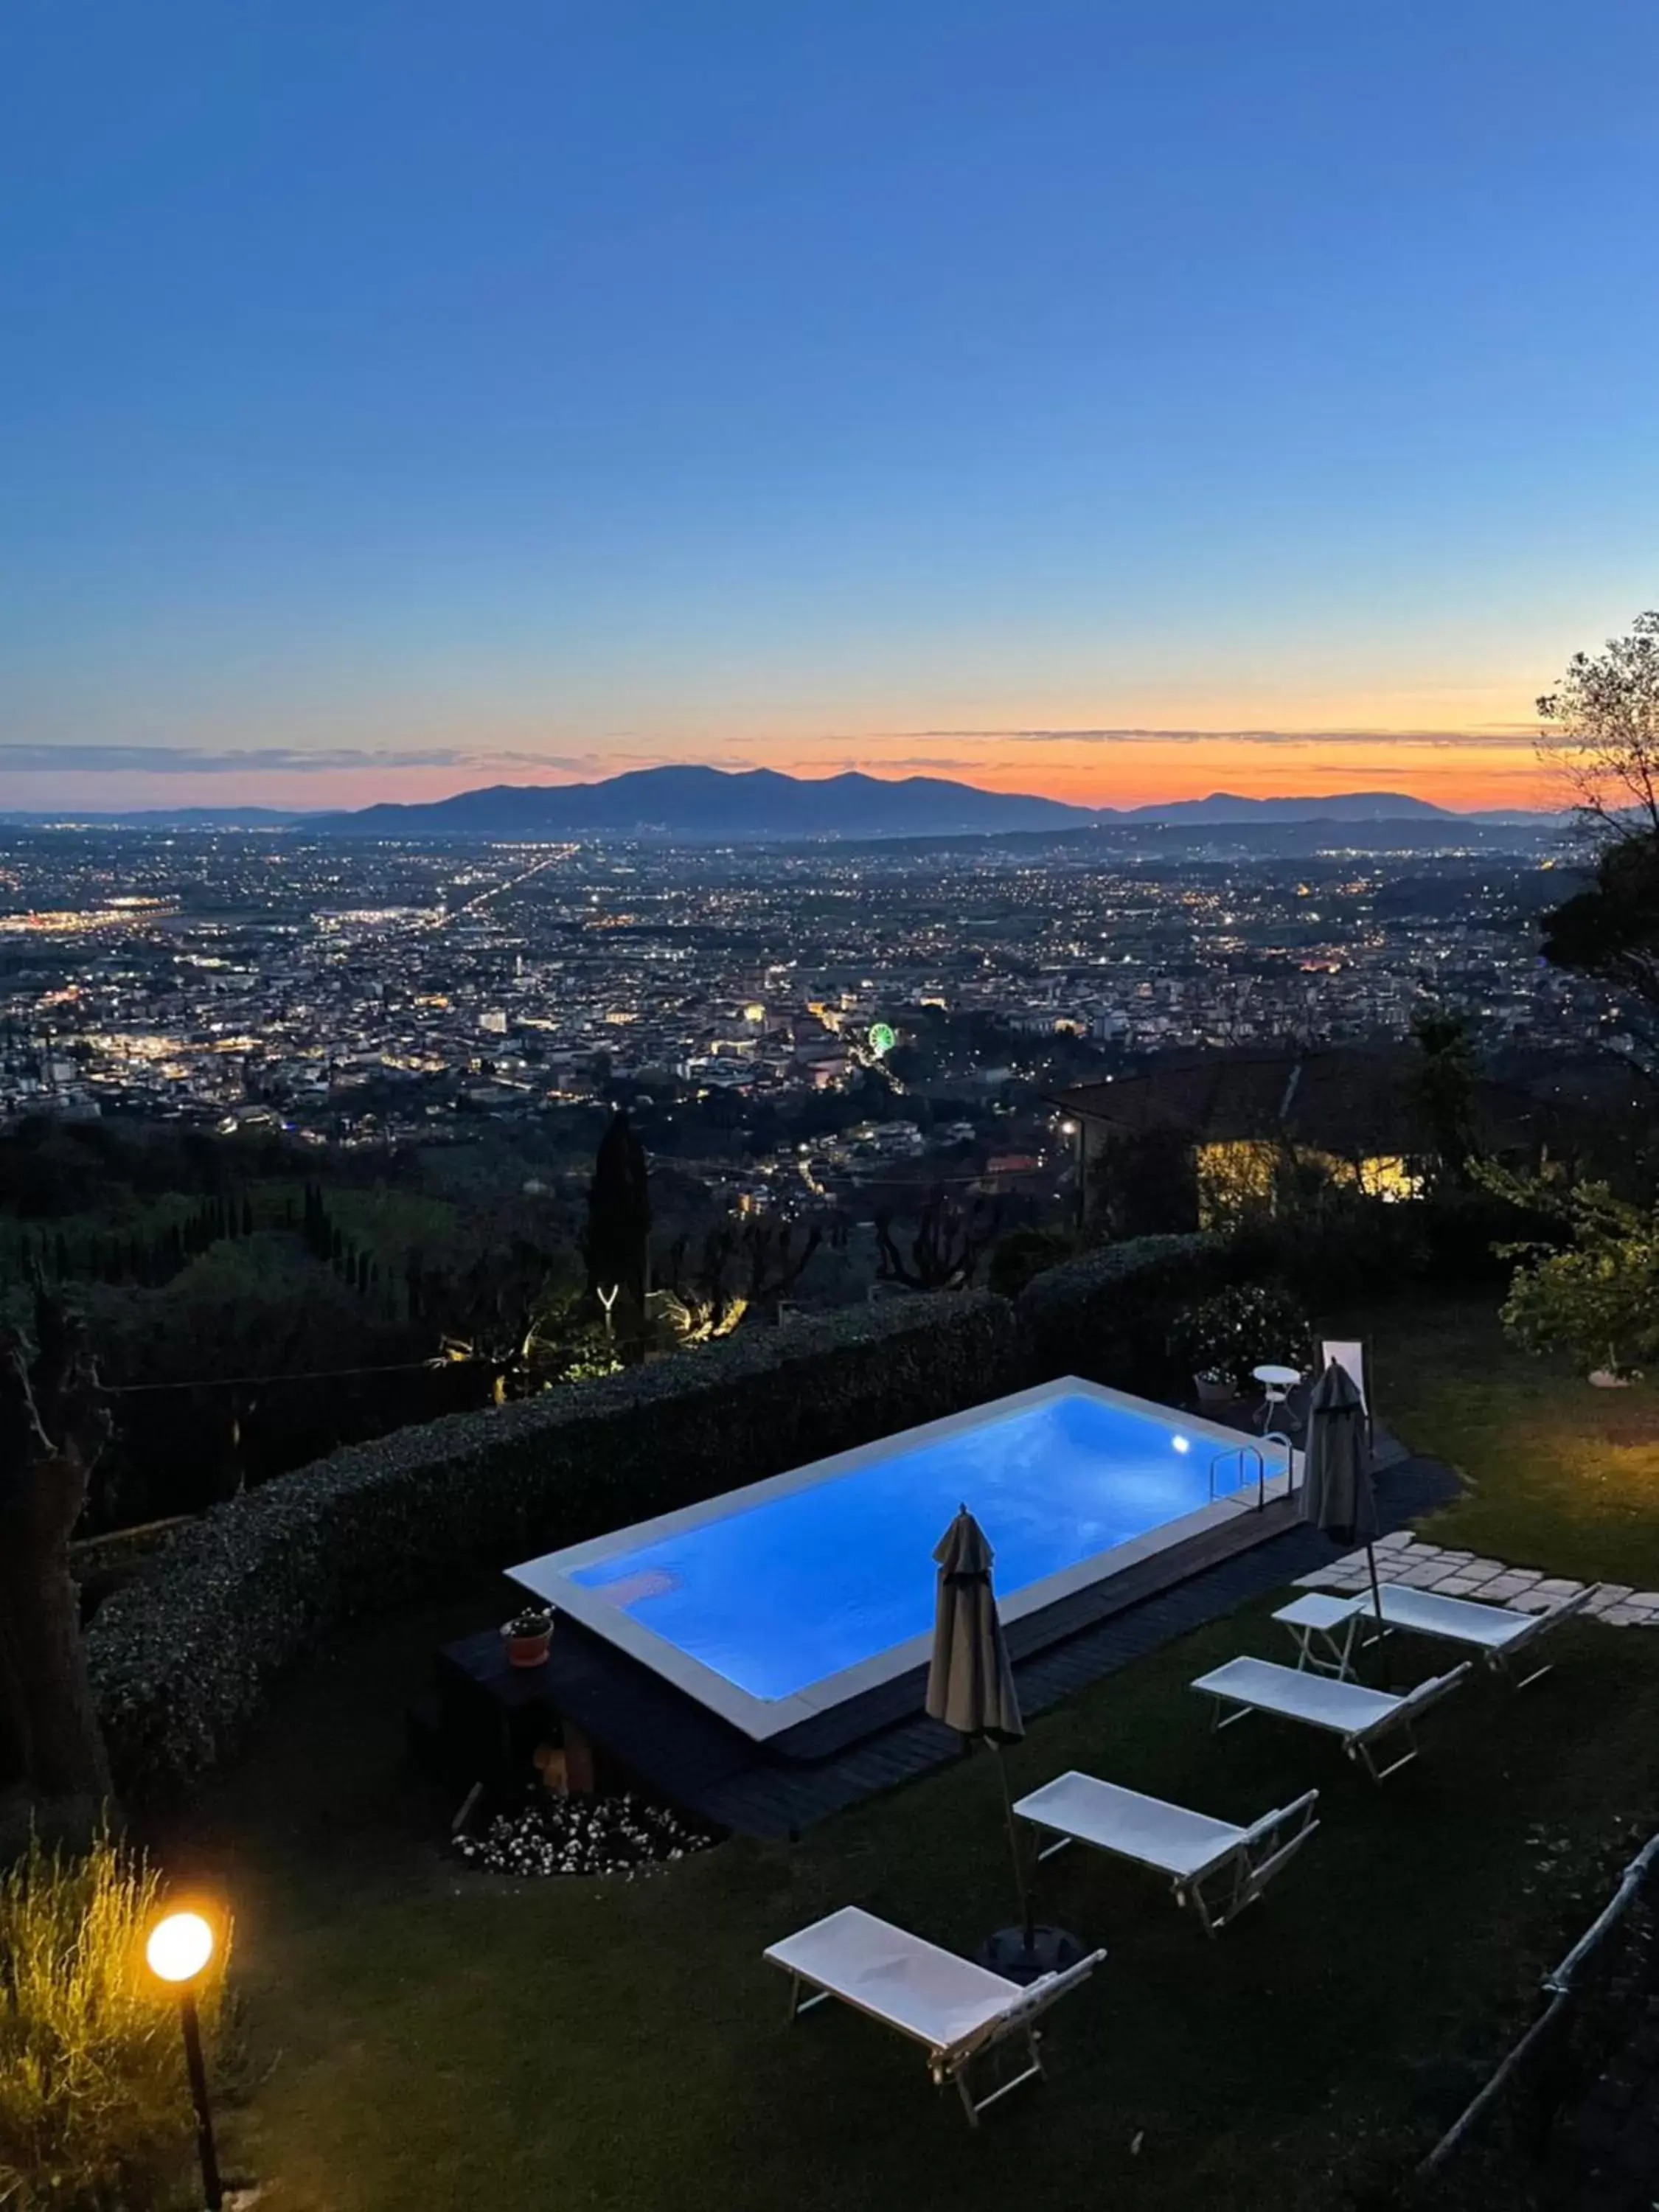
x,y
1020,1883
1376,1607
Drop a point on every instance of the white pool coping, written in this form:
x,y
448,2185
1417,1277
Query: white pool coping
x,y
552,1577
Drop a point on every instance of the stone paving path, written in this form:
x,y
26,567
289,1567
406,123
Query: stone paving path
x,y
1402,1558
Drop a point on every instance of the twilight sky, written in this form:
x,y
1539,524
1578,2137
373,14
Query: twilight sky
x,y
1112,397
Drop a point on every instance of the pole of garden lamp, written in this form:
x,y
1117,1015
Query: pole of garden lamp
x,y
206,2149
177,1952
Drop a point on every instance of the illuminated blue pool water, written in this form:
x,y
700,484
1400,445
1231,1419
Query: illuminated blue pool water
x,y
785,1590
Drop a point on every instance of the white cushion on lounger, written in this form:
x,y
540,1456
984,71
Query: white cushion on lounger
x,y
1113,1819
930,1994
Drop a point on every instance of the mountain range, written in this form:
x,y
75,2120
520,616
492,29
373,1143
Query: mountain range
x,y
709,805
706,804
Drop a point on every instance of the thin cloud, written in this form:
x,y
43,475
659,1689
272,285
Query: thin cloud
x,y
1500,736
926,763
193,760
848,763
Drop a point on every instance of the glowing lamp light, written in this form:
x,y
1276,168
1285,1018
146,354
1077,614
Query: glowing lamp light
x,y
178,1947
1181,1443
176,1950
1069,1128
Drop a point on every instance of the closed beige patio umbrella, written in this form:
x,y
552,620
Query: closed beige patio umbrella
x,y
970,1687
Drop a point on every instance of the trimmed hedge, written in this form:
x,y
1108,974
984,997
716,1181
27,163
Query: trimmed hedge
x,y
181,1657
1108,1316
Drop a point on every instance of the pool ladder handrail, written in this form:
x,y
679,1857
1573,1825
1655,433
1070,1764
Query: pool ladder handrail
x,y
1251,1450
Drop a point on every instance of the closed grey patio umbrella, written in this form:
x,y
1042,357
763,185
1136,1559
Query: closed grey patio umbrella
x,y
970,1687
970,1684
1337,1494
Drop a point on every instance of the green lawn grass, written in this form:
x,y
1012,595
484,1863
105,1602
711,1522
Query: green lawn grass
x,y
421,2037
1558,1475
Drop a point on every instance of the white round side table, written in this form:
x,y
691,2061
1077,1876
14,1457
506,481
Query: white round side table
x,y
1277,1383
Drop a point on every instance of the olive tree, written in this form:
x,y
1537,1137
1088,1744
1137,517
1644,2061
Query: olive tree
x,y
1601,736
1600,733
1592,1298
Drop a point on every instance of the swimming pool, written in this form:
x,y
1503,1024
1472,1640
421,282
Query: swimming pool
x,y
780,1600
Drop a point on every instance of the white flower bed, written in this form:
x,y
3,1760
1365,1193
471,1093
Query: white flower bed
x,y
584,1835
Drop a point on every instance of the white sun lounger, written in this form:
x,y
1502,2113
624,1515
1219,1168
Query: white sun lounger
x,y
957,2011
1363,1718
1216,1867
1499,1635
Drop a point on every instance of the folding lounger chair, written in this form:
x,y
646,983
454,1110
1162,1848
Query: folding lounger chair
x,y
1363,1718
1216,1867
958,2012
1500,1635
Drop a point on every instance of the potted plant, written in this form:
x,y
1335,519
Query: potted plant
x,y
527,1636
1216,1389
1222,1338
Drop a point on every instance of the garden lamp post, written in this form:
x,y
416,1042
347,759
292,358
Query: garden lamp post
x,y
177,1952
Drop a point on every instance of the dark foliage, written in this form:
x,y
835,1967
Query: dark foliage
x,y
1611,930
1145,1185
619,1213
50,1167
939,1245
739,1269
1230,1335
1024,1254
1108,1316
1443,1084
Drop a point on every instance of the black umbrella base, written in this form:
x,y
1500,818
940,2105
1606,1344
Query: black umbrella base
x,y
1050,1951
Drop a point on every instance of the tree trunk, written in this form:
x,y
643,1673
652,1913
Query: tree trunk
x,y
45,1665
52,1428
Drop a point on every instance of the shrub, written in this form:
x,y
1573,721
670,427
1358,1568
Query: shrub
x,y
1145,1185
1597,1301
1466,1233
1346,1250
1108,1316
1023,1254
1240,1328
181,1658
94,2109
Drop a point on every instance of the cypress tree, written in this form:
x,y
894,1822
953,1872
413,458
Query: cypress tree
x,y
618,1212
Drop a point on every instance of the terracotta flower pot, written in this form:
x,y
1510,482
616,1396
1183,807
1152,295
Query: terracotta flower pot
x,y
528,1651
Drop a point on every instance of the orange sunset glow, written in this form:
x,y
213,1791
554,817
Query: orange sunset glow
x,y
1089,768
